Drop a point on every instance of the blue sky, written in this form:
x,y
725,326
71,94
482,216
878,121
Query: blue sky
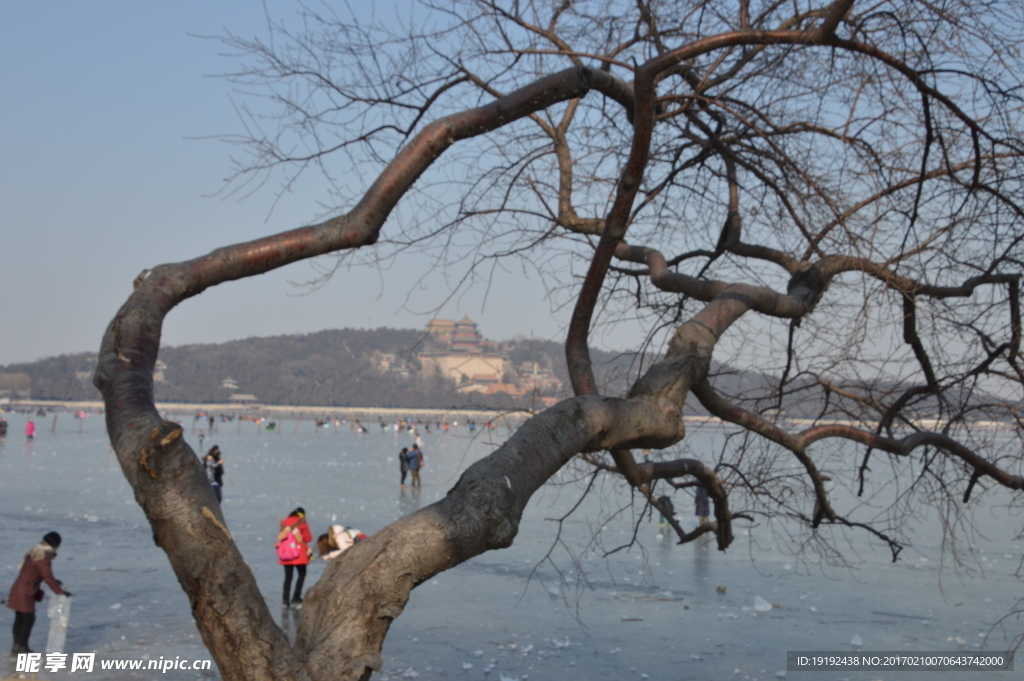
x,y
110,166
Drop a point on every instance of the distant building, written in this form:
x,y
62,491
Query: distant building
x,y
535,378
462,355
389,362
441,330
243,398
478,365
158,371
465,336
464,360
489,388
229,384
463,366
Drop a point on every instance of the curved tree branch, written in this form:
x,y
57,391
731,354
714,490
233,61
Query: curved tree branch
x,y
349,611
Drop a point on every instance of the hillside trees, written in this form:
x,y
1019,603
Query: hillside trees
x,y
830,191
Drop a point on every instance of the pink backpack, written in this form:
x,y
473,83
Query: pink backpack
x,y
289,548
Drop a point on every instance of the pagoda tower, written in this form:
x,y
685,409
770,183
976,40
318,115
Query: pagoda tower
x,y
465,336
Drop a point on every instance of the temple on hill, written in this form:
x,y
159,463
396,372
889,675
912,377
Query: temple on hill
x,y
465,337
441,330
460,336
461,354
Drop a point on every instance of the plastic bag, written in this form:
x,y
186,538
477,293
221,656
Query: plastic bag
x,y
59,611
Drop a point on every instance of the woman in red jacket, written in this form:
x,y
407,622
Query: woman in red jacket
x,y
33,571
294,527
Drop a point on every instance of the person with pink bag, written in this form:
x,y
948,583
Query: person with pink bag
x,y
293,552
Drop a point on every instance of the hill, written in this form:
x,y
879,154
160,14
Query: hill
x,y
339,367
393,368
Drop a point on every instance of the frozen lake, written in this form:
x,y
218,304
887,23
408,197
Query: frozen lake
x,y
654,611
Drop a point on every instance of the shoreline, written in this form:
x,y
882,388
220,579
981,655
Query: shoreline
x,y
303,412
293,411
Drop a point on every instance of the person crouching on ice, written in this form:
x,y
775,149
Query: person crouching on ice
x,y
336,540
25,592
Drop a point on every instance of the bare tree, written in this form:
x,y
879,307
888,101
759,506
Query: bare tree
x,y
832,191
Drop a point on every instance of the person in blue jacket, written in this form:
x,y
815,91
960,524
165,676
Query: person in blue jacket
x,y
415,457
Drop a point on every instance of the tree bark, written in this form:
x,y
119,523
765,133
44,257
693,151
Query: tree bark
x,y
348,612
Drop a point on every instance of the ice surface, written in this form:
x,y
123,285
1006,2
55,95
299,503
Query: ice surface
x,y
495,603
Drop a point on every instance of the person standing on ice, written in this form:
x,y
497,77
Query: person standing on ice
x,y
25,592
295,525
668,511
214,465
403,463
415,457
30,429
701,505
